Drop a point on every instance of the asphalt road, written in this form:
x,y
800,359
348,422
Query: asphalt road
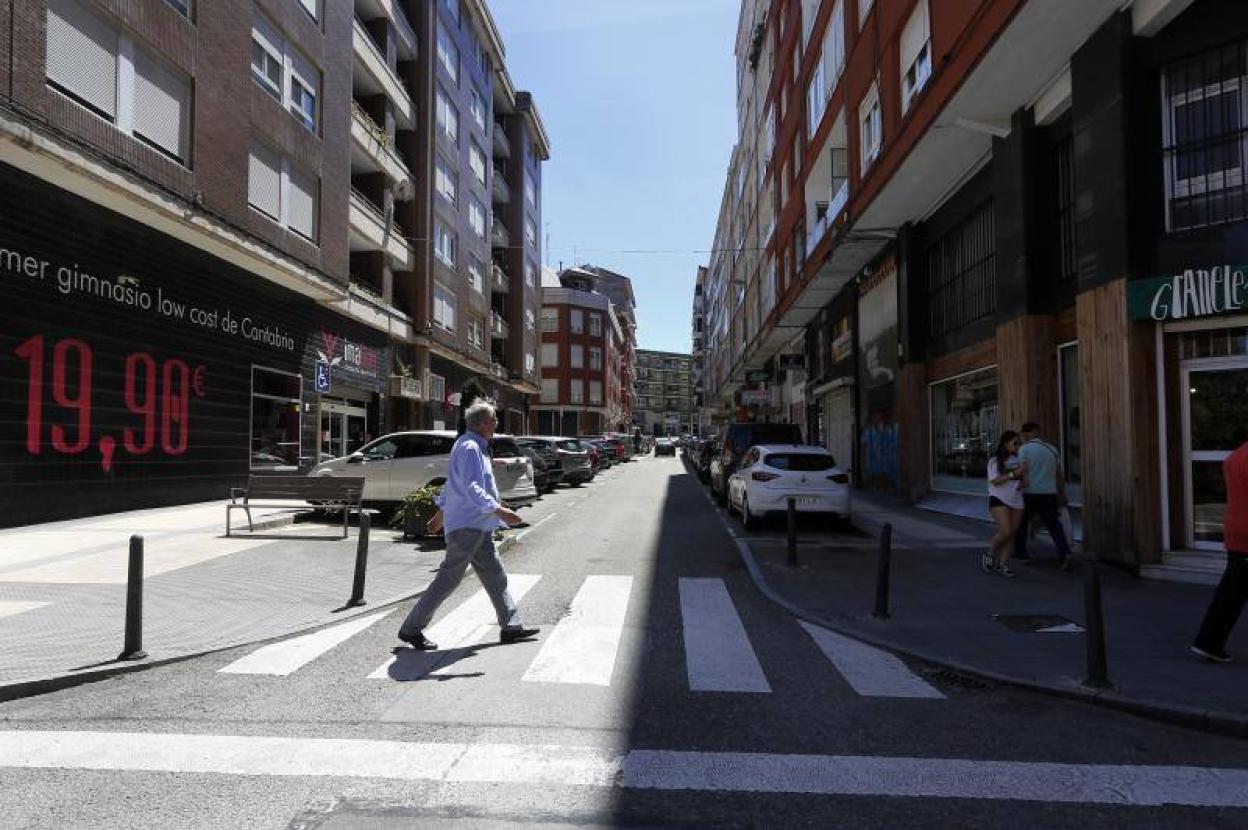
x,y
663,691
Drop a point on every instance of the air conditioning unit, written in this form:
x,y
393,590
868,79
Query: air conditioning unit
x,y
402,386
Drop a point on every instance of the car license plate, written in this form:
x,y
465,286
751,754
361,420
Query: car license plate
x,y
808,501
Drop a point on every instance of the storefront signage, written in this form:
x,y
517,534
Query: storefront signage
x,y
842,346
323,381
1203,292
755,375
755,396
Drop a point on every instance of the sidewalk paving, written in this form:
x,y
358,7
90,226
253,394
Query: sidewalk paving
x,y
943,610
63,586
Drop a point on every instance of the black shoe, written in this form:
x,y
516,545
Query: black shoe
x,y
418,641
1065,564
1215,655
515,635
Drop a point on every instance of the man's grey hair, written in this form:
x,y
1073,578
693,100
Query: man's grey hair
x,y
478,413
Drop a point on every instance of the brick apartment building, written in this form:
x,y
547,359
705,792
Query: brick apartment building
x,y
665,398
944,219
586,347
211,239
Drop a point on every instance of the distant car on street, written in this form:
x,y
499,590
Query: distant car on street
x,y
551,461
665,446
769,475
577,468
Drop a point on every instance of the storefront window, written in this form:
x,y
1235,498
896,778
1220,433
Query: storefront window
x,y
964,431
1072,444
276,410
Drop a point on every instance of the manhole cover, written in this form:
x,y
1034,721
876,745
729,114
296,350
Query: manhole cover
x,y
1039,623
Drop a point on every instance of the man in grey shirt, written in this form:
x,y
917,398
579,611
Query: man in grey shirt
x,y
1042,485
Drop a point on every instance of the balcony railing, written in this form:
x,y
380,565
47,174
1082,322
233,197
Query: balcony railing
x,y
498,278
499,237
498,326
502,144
499,188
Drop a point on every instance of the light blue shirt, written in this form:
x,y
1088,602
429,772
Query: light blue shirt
x,y
470,497
1041,461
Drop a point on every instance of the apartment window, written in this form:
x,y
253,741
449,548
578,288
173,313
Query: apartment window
x,y
576,389
578,321
530,274
476,162
916,55
281,191
810,8
530,363
276,410
448,53
476,106
476,333
476,274
550,390
444,307
284,72
452,9
872,127
815,99
834,48
962,277
447,117
595,325
1205,131
444,243
183,6
530,190
578,357
310,6
550,319
530,232
595,391
529,320
444,180
550,355
476,217
102,69
1064,204
595,358
864,9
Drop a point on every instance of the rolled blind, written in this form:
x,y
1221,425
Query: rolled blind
x,y
264,180
302,213
161,105
914,36
82,55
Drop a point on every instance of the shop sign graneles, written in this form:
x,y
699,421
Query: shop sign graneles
x,y
1197,292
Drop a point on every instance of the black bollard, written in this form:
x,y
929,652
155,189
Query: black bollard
x,y
1094,618
792,531
361,564
882,575
133,648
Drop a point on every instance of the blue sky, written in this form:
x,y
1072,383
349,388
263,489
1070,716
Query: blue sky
x,y
639,99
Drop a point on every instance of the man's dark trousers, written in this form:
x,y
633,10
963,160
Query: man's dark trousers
x,y
1228,602
1043,505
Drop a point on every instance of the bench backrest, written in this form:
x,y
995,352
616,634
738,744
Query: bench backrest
x,y
306,488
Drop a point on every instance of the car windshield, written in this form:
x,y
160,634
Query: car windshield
x,y
804,462
570,445
504,448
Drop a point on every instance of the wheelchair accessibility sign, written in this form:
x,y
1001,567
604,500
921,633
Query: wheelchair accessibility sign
x,y
322,376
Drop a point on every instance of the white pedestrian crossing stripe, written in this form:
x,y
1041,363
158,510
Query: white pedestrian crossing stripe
x,y
718,654
288,656
471,623
583,646
870,671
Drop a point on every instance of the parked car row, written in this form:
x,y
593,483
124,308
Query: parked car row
x,y
524,466
754,469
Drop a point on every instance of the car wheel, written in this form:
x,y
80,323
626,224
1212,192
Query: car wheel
x,y
748,520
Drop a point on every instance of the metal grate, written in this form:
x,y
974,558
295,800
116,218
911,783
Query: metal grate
x,y
962,275
1064,180
1204,133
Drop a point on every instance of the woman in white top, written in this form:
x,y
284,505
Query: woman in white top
x,y
1005,502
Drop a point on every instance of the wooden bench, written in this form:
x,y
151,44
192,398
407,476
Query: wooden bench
x,y
277,491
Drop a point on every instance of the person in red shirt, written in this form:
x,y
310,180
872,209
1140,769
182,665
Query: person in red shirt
x,y
1228,600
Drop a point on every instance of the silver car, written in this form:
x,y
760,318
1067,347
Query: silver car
x,y
395,465
575,457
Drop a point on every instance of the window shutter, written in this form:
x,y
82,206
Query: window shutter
x,y
82,55
264,180
913,36
161,105
302,218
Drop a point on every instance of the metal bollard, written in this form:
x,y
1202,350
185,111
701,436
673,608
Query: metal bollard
x,y
792,531
133,648
361,564
882,575
1094,617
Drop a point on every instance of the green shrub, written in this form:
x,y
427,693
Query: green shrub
x,y
418,507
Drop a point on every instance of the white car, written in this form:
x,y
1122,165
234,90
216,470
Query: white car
x,y
513,472
770,473
395,465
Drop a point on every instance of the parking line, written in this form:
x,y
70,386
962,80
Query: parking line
x,y
535,525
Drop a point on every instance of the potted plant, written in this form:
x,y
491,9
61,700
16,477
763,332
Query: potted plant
x,y
416,510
